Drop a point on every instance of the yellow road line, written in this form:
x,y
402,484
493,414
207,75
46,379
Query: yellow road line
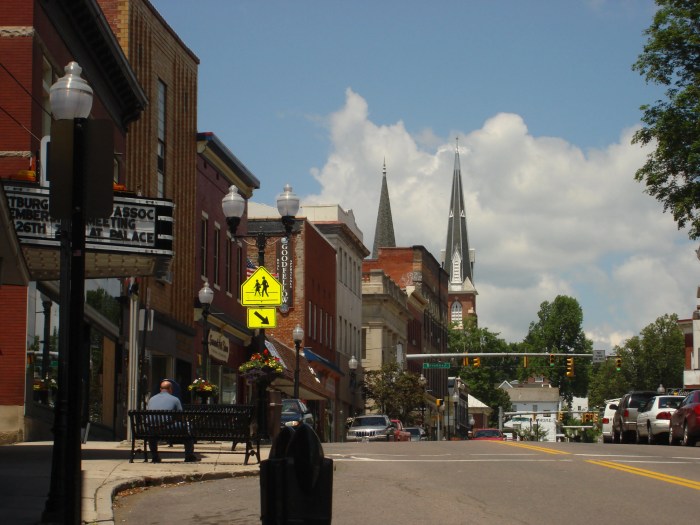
x,y
689,483
532,447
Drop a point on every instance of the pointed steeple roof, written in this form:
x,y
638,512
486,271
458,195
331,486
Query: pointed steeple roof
x,y
384,230
458,260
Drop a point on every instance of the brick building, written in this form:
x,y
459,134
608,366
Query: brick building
x,y
306,268
37,39
221,262
162,163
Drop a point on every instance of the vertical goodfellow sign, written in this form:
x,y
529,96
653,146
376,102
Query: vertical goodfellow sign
x,y
285,270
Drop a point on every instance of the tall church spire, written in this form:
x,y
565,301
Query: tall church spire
x,y
459,261
384,231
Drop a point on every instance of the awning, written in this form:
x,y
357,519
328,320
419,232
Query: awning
x,y
310,383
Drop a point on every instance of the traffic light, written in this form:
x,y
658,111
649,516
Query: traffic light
x,y
524,361
465,361
560,417
594,417
438,402
552,360
477,362
586,417
618,363
569,367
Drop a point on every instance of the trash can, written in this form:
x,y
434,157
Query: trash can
x,y
296,482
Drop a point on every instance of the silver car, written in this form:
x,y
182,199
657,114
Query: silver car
x,y
376,427
654,417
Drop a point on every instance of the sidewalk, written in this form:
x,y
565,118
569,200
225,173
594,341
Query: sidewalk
x,y
25,474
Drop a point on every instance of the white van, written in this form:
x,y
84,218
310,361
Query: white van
x,y
607,422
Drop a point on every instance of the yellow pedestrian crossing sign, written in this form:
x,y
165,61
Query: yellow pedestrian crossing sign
x,y
261,289
262,317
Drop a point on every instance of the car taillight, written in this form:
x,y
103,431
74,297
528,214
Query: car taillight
x,y
626,413
696,409
663,415
606,421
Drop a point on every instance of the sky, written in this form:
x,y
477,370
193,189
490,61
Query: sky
x,y
541,98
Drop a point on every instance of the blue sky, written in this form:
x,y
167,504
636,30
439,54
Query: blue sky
x,y
541,95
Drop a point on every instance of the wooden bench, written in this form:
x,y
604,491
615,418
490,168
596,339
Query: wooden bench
x,y
198,422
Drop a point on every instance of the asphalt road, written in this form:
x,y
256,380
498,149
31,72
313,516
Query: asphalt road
x,y
462,482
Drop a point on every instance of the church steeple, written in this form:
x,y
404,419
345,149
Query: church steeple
x,y
459,261
384,230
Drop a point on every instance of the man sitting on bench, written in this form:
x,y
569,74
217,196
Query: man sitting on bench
x,y
165,400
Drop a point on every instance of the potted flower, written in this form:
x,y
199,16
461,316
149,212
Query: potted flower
x,y
203,388
261,366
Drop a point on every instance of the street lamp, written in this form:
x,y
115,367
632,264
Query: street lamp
x,y
455,400
233,206
297,336
71,101
352,365
206,296
423,382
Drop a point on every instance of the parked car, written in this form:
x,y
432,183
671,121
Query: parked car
x,y
417,433
488,434
607,419
625,418
295,412
654,416
376,427
685,421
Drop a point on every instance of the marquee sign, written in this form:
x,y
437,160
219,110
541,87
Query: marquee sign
x,y
137,225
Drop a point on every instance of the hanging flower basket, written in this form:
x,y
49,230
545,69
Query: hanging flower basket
x,y
261,367
203,388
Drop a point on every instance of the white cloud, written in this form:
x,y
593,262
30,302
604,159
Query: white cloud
x,y
545,218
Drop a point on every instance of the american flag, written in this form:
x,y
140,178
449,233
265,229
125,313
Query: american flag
x,y
249,268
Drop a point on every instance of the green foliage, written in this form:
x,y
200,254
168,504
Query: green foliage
x,y
559,331
656,356
671,58
104,303
393,391
483,382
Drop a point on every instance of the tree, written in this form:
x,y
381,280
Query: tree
x,y
558,331
655,356
393,391
671,58
483,382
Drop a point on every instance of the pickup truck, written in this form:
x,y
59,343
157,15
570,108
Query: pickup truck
x,y
399,432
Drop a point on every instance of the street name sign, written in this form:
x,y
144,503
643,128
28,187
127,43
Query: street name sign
x,y
436,365
261,289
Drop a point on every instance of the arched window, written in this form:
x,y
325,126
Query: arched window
x,y
456,313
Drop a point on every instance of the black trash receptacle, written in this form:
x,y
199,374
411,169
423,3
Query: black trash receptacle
x,y
296,482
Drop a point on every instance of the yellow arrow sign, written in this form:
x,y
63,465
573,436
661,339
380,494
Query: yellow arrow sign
x,y
262,317
261,289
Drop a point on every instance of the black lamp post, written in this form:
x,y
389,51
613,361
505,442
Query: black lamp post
x,y
352,365
71,100
298,336
206,296
455,400
423,382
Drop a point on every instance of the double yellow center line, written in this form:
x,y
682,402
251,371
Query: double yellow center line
x,y
522,444
689,483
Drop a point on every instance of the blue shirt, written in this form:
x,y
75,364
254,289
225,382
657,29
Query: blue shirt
x,y
164,401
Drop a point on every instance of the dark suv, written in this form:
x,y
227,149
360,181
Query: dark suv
x,y
624,428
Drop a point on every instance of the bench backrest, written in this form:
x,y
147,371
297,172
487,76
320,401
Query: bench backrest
x,y
218,422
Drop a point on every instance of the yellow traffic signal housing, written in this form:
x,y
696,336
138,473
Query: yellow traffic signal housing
x,y
552,359
465,361
618,363
477,362
438,402
594,417
560,417
569,367
524,361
